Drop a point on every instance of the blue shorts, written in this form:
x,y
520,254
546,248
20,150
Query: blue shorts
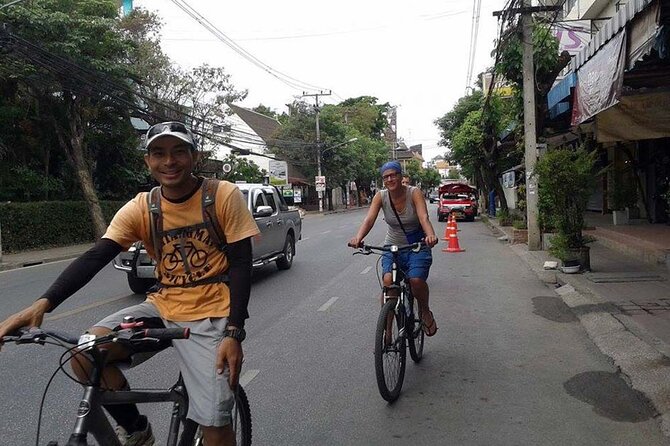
x,y
415,264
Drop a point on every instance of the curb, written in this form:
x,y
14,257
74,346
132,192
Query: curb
x,y
643,366
41,258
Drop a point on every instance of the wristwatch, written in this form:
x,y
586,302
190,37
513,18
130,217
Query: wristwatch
x,y
236,333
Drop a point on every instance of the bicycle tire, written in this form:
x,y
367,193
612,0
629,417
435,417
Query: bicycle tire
x,y
241,421
416,337
390,360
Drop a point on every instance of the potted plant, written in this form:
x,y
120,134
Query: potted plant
x,y
566,179
622,198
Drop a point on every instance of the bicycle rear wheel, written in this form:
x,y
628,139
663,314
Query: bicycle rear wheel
x,y
241,421
416,337
390,352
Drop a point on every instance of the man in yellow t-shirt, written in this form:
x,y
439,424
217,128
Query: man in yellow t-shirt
x,y
201,286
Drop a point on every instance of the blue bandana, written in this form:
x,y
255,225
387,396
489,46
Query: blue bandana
x,y
390,165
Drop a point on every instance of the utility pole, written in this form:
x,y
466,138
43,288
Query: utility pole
x,y
530,136
529,123
318,138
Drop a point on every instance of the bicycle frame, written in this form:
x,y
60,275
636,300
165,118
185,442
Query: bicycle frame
x,y
404,290
91,418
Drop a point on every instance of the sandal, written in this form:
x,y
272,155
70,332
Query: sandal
x,y
429,329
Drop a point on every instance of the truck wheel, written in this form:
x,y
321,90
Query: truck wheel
x,y
138,285
289,251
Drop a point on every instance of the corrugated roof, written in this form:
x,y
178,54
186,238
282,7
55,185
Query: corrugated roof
x,y
609,30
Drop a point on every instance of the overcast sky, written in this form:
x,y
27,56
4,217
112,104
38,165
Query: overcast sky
x,y
410,54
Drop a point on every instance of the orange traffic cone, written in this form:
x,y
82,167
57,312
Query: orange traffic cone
x,y
448,230
453,244
453,223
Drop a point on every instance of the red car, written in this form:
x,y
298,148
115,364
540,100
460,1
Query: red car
x,y
459,199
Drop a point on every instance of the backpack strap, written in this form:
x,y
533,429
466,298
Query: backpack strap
x,y
155,221
209,188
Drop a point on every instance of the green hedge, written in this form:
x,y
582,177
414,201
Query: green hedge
x,y
44,224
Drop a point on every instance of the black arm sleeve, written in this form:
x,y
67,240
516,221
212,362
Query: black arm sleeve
x,y
81,271
240,259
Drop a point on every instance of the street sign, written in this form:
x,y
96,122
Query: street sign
x,y
227,167
297,196
320,183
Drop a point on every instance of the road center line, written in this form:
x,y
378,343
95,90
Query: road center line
x,y
85,308
327,305
366,270
326,232
247,376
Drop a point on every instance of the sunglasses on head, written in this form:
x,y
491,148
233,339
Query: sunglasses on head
x,y
167,127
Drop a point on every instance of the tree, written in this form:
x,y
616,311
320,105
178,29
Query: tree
x,y
70,59
414,169
341,163
430,178
451,121
263,110
547,63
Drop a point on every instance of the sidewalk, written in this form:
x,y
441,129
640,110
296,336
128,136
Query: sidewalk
x,y
624,305
29,258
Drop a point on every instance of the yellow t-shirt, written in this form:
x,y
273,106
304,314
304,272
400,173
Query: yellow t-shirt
x,y
204,260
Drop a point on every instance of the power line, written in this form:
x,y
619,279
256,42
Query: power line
x,y
286,79
75,77
474,31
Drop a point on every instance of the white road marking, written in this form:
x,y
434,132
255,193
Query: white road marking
x,y
327,305
247,376
84,308
366,270
304,238
326,232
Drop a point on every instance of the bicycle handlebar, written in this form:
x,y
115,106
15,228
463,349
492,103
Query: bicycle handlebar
x,y
366,249
166,334
39,335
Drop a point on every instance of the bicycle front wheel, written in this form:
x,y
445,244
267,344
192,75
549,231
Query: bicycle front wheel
x,y
416,337
390,352
241,421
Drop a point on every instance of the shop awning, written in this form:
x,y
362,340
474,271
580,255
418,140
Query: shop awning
x,y
635,117
599,80
558,97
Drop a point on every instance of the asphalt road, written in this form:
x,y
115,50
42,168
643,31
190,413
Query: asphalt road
x,y
509,365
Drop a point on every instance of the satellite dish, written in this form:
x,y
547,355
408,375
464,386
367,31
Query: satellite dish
x,y
227,168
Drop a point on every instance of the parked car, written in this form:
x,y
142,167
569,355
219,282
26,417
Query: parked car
x,y
433,196
280,226
458,199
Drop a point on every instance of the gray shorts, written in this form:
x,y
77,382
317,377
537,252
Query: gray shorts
x,y
210,398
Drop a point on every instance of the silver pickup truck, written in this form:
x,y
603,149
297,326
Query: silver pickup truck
x,y
280,228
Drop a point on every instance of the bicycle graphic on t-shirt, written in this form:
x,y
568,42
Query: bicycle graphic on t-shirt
x,y
188,254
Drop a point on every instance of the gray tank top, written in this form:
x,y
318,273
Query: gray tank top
x,y
410,221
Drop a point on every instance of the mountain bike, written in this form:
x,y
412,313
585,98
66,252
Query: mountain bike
x,y
90,418
399,324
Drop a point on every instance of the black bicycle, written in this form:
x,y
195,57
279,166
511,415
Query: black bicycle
x,y
399,324
90,416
